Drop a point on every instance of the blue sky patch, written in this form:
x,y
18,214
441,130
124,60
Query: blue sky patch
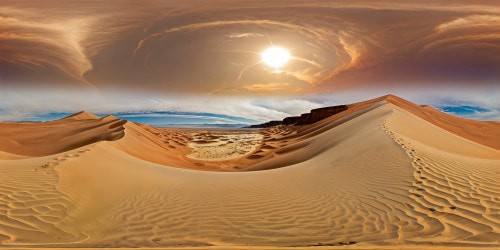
x,y
463,110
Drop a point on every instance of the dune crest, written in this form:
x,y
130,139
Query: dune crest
x,y
82,115
47,138
381,173
486,133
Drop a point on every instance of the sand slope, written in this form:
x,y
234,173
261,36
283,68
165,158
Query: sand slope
x,y
45,138
486,133
377,174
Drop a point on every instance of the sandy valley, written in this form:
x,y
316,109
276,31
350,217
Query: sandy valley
x,y
223,145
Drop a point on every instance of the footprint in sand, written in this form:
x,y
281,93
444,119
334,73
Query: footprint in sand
x,y
56,161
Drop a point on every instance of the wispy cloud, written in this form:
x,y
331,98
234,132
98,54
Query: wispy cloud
x,y
242,109
193,47
188,56
244,35
18,106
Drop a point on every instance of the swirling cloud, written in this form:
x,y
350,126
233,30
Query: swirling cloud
x,y
29,46
200,47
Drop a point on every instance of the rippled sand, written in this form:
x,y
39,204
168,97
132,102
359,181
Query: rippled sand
x,y
379,175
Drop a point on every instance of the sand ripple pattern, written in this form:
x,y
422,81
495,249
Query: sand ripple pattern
x,y
365,182
337,197
31,207
456,199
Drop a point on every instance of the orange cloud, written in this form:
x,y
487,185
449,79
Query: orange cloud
x,y
194,47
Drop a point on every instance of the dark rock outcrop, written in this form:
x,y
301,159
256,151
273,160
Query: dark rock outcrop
x,y
267,124
291,120
319,114
315,115
304,119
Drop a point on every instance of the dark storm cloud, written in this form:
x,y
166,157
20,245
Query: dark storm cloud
x,y
213,46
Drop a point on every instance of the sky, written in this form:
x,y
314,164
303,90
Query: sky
x,y
204,56
161,118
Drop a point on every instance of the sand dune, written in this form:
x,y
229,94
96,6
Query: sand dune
x,y
41,139
486,133
383,173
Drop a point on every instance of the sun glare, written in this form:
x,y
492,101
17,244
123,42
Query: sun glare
x,y
275,57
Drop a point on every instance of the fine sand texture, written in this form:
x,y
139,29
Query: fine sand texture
x,y
223,145
386,174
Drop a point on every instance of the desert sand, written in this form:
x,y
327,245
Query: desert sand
x,y
385,173
222,145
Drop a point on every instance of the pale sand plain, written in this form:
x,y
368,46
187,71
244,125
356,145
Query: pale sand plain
x,y
384,174
221,145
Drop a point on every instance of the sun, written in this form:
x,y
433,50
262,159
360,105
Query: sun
x,y
275,57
